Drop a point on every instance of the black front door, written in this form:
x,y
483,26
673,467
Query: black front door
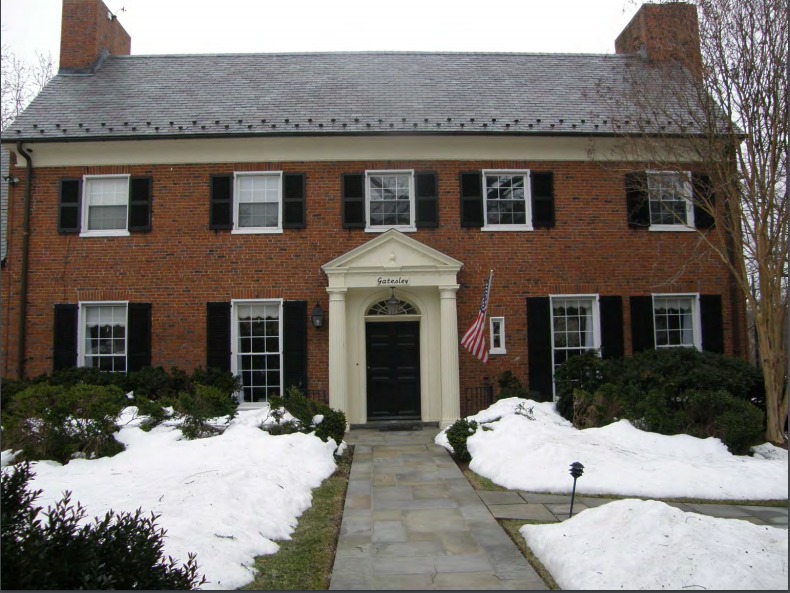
x,y
393,353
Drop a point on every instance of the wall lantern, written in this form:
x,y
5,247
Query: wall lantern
x,y
393,304
10,179
577,469
317,316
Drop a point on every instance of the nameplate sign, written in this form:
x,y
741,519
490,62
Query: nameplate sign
x,y
388,281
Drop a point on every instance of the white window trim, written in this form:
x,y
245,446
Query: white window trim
x,y
234,346
258,230
412,226
527,226
696,321
596,313
690,224
501,321
85,208
81,305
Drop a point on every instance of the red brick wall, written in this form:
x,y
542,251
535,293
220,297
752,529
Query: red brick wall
x,y
181,264
85,30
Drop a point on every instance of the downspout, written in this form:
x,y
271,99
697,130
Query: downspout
x,y
23,271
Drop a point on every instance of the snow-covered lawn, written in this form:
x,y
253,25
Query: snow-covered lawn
x,y
225,498
636,544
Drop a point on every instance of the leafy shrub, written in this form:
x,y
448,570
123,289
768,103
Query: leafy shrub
x,y
225,381
59,422
458,434
121,551
304,409
585,372
668,391
201,404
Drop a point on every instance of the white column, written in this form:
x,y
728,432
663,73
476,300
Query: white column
x,y
451,394
338,369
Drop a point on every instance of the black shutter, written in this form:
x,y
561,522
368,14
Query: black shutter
x,y
611,327
295,344
139,331
294,216
218,336
712,323
703,194
140,204
353,200
539,346
221,202
542,185
426,200
637,200
642,328
69,206
64,344
471,200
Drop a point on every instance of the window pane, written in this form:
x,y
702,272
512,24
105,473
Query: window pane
x,y
105,337
505,199
673,321
669,194
258,347
390,200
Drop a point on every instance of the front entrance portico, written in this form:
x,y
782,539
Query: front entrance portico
x,y
424,280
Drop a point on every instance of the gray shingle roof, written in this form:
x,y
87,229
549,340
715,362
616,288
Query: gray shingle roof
x,y
329,93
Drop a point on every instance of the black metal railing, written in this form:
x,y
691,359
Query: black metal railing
x,y
476,399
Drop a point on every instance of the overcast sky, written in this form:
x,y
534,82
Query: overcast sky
x,y
198,26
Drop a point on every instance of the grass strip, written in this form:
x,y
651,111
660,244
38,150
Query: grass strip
x,y
512,526
305,562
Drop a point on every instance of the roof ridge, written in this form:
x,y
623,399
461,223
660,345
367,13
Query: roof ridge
x,y
372,52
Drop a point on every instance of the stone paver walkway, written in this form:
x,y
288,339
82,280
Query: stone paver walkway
x,y
413,521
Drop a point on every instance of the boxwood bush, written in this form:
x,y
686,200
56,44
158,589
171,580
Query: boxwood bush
x,y
304,409
669,391
457,435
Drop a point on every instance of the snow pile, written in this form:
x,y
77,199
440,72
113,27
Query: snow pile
x,y
527,445
637,544
225,498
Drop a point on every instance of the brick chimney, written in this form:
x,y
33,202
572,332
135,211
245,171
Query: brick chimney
x,y
88,33
664,33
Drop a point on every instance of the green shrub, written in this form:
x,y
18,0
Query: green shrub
x,y
458,434
585,372
201,404
121,551
225,381
668,391
304,409
59,422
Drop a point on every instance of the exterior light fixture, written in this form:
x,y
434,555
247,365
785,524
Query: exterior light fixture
x,y
393,304
317,316
10,179
577,469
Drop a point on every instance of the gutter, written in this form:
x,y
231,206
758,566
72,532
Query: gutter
x,y
23,268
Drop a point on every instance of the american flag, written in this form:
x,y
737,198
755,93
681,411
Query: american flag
x,y
475,339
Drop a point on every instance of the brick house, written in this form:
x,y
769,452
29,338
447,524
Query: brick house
x,y
211,210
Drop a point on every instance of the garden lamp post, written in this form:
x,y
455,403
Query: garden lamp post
x,y
577,469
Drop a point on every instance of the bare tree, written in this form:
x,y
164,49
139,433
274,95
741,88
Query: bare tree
x,y
20,82
726,115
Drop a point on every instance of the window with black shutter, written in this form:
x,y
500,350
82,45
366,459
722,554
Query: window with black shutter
x,y
295,344
611,308
218,336
294,211
471,200
69,206
539,346
642,329
704,201
353,200
64,348
140,197
712,324
427,200
637,200
139,337
221,202
542,185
